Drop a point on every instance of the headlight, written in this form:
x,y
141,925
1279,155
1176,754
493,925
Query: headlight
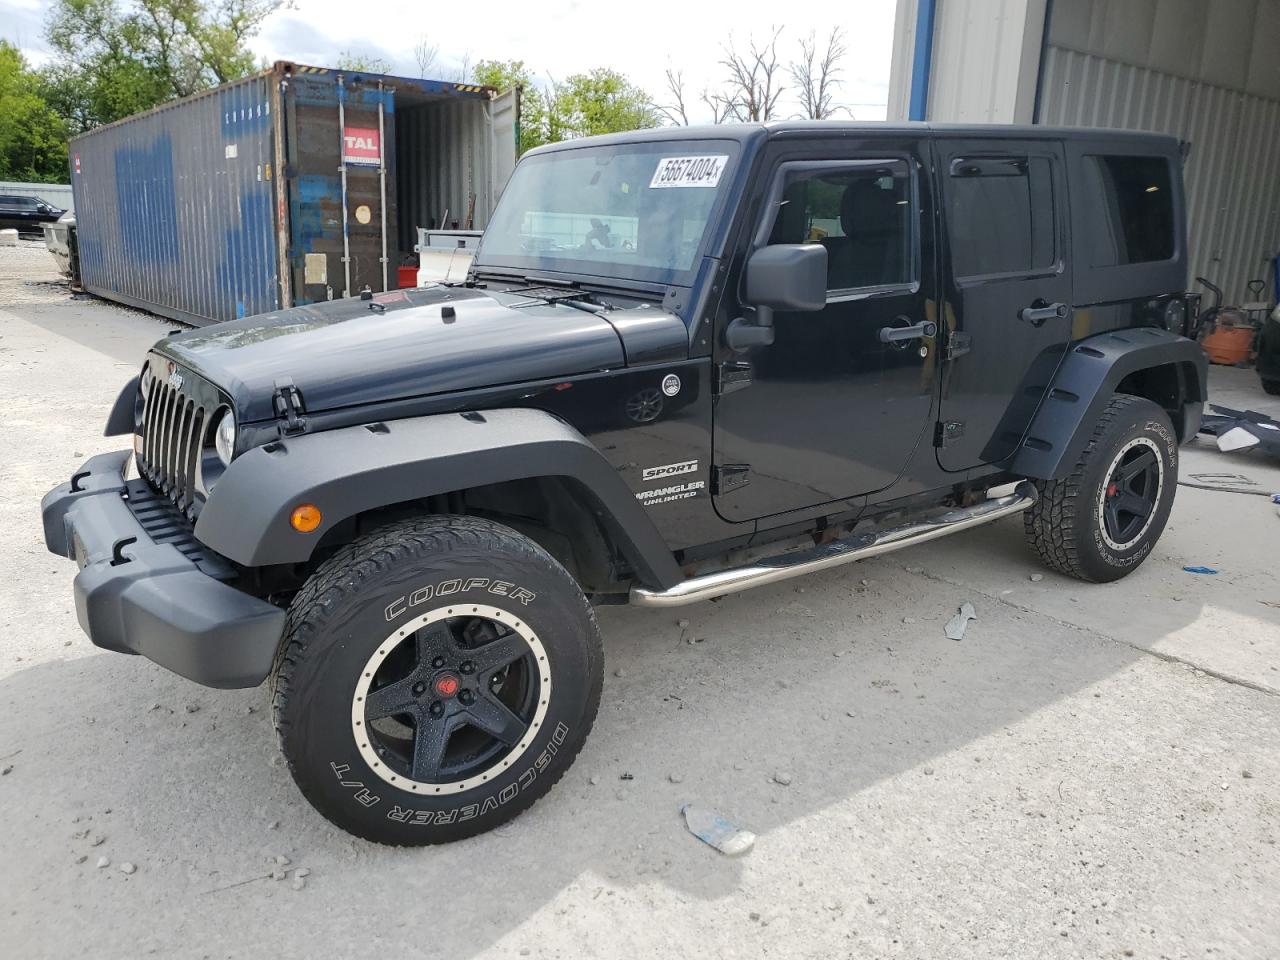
x,y
224,438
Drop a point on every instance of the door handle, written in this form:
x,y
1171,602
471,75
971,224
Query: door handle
x,y
926,328
1040,311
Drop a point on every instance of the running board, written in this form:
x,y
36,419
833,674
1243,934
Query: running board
x,y
827,555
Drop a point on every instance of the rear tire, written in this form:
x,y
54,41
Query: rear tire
x,y
1272,387
1100,522
435,679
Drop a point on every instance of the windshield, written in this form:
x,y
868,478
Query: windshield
x,y
635,211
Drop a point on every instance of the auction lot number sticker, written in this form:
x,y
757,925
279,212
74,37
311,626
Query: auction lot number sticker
x,y
703,171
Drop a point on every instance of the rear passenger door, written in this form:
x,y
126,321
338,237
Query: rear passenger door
x,y
1008,292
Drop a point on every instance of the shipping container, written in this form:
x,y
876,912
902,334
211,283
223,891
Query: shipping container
x,y
296,185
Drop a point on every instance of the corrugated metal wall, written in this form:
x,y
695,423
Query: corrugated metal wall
x,y
175,206
59,194
443,157
1233,165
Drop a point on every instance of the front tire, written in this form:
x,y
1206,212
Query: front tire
x,y
1100,522
1271,387
434,680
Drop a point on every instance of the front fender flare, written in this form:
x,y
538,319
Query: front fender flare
x,y
347,471
1085,382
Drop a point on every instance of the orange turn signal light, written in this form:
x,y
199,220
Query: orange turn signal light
x,y
305,517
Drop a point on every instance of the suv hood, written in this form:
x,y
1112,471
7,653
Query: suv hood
x,y
404,344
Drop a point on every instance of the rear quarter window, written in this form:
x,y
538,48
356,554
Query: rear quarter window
x,y
1135,198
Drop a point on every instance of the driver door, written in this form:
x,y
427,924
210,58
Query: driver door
x,y
834,408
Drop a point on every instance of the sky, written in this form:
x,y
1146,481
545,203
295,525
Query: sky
x,y
557,38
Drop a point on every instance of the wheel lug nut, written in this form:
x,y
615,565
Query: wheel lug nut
x,y
438,662
466,697
419,689
437,708
467,667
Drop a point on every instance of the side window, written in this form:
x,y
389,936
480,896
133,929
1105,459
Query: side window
x,y
861,212
1137,209
1000,215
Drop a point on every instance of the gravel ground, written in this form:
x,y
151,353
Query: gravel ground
x,y
1091,772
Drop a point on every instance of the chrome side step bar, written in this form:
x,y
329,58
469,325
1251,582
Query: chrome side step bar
x,y
774,569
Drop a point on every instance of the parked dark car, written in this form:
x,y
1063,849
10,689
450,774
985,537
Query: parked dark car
x,y
1268,363
832,340
26,214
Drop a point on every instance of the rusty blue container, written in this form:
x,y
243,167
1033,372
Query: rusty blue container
x,y
296,185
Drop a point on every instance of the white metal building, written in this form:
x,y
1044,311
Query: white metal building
x,y
1205,71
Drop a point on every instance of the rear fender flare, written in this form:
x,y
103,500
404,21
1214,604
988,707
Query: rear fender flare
x,y
1085,382
350,470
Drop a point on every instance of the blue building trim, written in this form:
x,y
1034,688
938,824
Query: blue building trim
x,y
922,60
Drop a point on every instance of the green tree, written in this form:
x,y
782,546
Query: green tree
x,y
602,101
33,138
116,57
506,74
362,63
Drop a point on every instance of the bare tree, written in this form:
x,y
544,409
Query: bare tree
x,y
815,75
426,53
463,73
752,78
720,104
675,112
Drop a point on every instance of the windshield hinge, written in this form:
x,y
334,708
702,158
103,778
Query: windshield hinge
x,y
732,376
947,432
287,403
958,344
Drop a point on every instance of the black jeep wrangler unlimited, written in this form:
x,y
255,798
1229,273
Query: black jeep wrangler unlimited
x,y
675,348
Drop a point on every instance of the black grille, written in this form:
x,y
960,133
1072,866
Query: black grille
x,y
173,428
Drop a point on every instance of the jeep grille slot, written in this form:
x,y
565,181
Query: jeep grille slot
x,y
172,436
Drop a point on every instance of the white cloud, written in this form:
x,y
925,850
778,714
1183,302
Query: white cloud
x,y
560,37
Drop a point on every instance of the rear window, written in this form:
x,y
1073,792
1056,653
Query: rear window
x,y
1000,216
1136,198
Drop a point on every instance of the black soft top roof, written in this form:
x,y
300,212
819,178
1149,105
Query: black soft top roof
x,y
785,129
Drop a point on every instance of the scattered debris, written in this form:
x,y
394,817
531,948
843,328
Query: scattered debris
x,y
914,569
193,708
682,624
1242,430
782,778
928,771
6,770
908,619
627,776
1208,570
103,863
97,840
273,825
298,882
619,672
1036,577
675,778
128,868
956,625
1247,774
593,780
278,874
302,872
282,860
715,831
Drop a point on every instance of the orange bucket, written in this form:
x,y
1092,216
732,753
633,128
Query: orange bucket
x,y
1229,345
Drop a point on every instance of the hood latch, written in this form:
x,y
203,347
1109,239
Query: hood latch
x,y
287,402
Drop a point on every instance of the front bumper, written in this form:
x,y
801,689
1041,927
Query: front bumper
x,y
136,595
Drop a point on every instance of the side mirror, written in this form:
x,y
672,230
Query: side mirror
x,y
784,276
788,276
